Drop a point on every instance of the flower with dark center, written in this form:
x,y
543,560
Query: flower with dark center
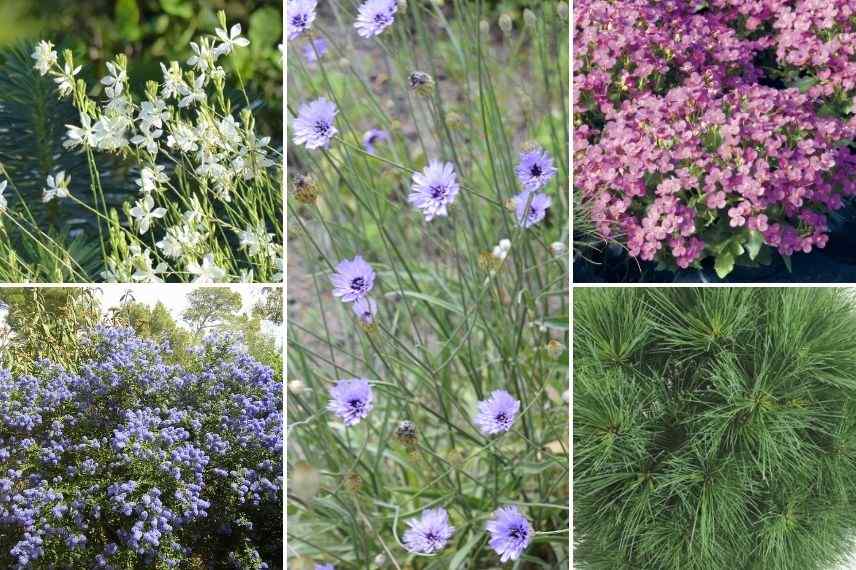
x,y
301,14
535,169
531,208
372,137
353,279
351,399
375,16
510,533
313,127
429,533
497,413
434,189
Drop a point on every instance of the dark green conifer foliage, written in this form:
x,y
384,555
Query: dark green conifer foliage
x,y
714,428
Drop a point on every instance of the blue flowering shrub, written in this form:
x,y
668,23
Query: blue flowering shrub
x,y
428,285
136,461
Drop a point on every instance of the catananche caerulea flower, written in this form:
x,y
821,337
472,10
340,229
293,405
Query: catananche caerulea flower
x,y
496,414
434,189
429,533
366,309
372,137
353,279
351,400
324,567
510,533
314,49
375,16
301,14
531,211
535,169
313,127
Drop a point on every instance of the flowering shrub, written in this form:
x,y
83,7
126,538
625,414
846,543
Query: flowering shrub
x,y
428,345
209,206
135,461
708,131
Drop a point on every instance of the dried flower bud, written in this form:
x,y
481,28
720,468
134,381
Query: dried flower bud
x,y
421,83
562,10
380,560
484,27
305,189
530,20
455,120
353,481
406,433
506,23
558,248
488,262
296,387
402,5
555,349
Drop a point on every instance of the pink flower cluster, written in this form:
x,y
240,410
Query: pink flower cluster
x,y
681,152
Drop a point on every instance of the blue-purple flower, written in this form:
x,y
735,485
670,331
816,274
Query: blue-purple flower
x,y
324,567
434,189
351,400
375,16
353,279
531,207
314,49
372,137
300,14
497,413
510,533
313,127
429,533
535,169
366,309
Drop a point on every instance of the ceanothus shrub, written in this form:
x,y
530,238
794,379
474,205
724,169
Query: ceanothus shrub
x,y
142,459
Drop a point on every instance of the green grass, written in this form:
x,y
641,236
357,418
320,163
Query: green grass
x,y
449,331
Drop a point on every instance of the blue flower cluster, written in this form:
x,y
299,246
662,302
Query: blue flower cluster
x,y
140,458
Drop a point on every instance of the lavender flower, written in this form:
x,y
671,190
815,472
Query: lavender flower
x,y
510,533
301,14
375,16
429,533
535,169
351,400
324,567
496,414
353,279
434,189
313,127
531,211
365,309
314,49
372,137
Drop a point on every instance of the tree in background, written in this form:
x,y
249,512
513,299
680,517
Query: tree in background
x,y
714,429
46,323
270,306
155,323
210,306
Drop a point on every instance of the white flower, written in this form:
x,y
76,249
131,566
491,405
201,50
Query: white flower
x,y
557,248
57,187
203,57
208,272
153,114
254,239
3,203
150,177
109,133
501,251
45,57
65,80
145,272
246,276
82,135
144,214
115,80
173,82
183,137
230,39
278,263
194,94
148,140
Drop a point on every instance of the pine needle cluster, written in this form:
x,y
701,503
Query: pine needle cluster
x,y
714,428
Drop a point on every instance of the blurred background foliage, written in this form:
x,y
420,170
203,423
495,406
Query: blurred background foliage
x,y
47,322
151,31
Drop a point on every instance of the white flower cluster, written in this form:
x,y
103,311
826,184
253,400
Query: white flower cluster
x,y
186,124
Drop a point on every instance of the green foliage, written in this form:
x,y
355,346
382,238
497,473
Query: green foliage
x,y
155,323
714,428
46,323
209,306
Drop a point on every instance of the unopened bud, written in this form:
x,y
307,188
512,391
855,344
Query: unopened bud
x,y
353,481
406,433
506,23
562,10
530,20
305,189
555,349
296,387
484,27
421,83
558,248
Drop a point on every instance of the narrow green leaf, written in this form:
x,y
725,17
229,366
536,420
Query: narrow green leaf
x,y
461,555
756,240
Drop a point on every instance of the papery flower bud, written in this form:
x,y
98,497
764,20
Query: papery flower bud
x,y
488,262
506,23
296,387
380,560
562,10
530,20
555,349
353,481
402,5
421,83
558,248
305,189
455,120
484,27
406,433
